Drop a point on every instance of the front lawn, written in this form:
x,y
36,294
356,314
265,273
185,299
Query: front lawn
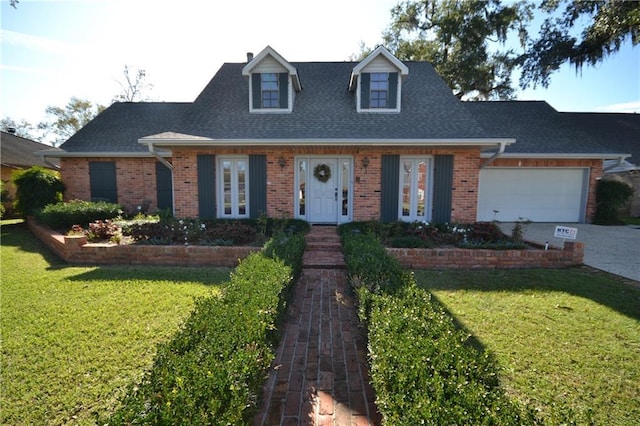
x,y
565,339
74,338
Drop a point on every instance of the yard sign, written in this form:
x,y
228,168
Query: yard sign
x,y
566,232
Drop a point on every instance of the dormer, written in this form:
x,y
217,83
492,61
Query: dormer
x,y
273,83
377,82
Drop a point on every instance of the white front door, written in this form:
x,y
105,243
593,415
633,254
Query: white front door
x,y
322,192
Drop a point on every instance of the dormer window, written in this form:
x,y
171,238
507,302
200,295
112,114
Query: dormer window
x,y
269,89
273,83
377,82
379,93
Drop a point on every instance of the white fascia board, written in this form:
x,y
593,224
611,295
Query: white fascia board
x,y
488,142
247,69
560,155
381,50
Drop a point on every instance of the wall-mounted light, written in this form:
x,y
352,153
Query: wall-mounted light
x,y
282,162
365,163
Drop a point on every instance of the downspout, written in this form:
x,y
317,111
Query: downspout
x,y
159,157
497,154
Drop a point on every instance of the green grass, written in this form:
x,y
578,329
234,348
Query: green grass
x,y
566,340
631,220
74,338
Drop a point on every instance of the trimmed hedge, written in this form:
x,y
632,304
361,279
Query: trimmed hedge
x,y
62,216
424,369
212,371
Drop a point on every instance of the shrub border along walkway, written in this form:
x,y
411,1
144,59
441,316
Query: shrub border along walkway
x,y
75,249
424,369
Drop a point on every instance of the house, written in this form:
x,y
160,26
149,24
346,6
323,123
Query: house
x,y
18,153
333,142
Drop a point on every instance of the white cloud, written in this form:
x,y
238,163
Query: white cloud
x,y
630,107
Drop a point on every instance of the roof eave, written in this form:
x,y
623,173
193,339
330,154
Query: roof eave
x,y
561,155
462,142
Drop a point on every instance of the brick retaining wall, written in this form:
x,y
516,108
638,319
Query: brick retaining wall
x,y
75,249
456,258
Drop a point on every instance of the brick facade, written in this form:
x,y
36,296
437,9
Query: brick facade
x,y
136,178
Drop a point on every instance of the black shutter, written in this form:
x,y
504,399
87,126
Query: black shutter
x,y
442,188
283,85
164,187
102,181
389,188
393,90
206,186
365,84
256,90
257,185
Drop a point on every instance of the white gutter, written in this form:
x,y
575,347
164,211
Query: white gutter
x,y
325,142
560,155
497,154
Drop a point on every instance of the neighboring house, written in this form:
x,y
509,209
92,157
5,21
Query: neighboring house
x,y
18,153
620,132
333,142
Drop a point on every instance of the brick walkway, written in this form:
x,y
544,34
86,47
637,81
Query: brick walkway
x,y
320,374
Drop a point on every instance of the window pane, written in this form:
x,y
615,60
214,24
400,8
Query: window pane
x,y
406,187
422,188
226,179
379,90
345,187
242,198
270,92
302,177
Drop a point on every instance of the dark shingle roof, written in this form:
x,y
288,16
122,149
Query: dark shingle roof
x,y
537,127
118,128
617,131
326,109
20,152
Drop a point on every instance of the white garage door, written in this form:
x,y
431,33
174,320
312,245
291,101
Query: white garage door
x,y
537,194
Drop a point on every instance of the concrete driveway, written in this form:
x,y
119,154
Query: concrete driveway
x,y
615,249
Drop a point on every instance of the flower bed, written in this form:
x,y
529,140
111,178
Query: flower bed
x,y
76,249
467,246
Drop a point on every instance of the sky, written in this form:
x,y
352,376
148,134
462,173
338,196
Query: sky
x,y
53,50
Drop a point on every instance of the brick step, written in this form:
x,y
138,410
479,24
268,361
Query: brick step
x,y
324,246
323,260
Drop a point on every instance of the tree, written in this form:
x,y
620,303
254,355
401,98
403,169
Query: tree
x,y
464,40
35,188
610,23
70,119
21,128
134,87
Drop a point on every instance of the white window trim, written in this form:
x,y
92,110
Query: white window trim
x,y
428,202
234,192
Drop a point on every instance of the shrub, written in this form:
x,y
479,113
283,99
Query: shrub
x,y
36,187
423,368
63,216
610,196
212,232
213,369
